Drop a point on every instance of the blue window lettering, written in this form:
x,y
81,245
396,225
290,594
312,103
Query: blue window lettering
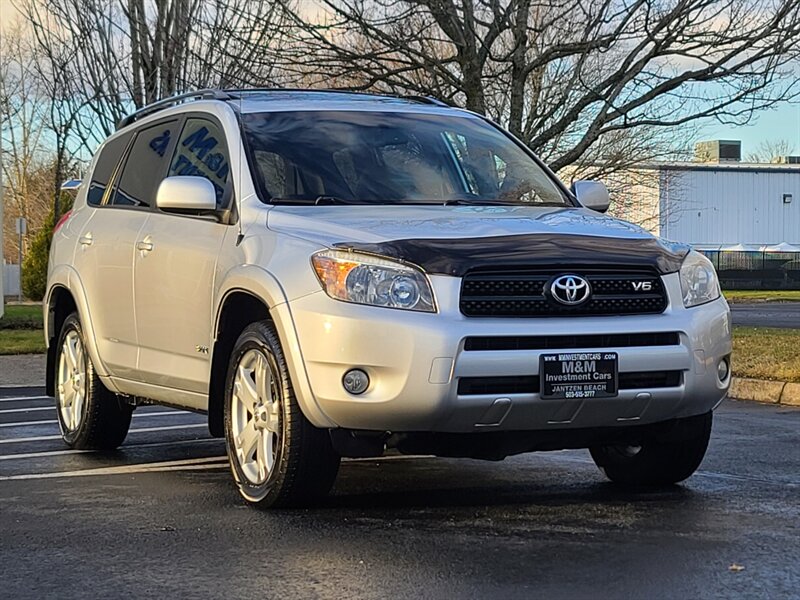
x,y
179,164
199,144
214,161
187,169
160,143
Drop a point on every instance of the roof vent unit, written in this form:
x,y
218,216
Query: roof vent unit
x,y
718,151
787,160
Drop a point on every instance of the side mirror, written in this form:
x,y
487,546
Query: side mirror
x,y
592,194
186,193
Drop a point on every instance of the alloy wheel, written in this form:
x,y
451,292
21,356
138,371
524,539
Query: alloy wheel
x,y
255,415
71,388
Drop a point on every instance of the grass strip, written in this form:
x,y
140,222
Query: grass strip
x,y
762,295
22,316
766,353
21,341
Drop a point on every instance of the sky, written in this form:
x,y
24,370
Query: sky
x,y
782,122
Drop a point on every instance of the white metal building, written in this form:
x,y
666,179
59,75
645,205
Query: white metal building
x,y
713,205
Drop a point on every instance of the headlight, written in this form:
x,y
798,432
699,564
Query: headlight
x,y
366,279
699,282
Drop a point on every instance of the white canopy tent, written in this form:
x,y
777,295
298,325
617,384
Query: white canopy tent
x,y
782,247
741,248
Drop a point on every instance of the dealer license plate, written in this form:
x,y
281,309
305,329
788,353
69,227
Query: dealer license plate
x,y
579,375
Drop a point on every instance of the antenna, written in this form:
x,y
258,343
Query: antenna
x,y
238,195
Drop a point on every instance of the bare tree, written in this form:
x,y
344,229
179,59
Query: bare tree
x,y
770,151
582,82
26,159
123,54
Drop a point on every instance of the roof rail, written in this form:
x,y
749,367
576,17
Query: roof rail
x,y
413,98
426,100
258,90
207,94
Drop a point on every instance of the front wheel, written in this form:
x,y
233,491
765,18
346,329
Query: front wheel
x,y
277,456
659,461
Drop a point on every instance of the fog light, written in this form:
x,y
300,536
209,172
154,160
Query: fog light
x,y
355,381
722,369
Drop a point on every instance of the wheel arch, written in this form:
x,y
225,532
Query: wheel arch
x,y
242,287
237,309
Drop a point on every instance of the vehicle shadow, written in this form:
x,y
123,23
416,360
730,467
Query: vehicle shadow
x,y
448,483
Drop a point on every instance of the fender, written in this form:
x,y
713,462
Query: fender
x,y
258,282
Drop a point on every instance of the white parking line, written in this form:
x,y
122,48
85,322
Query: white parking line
x,y
160,413
192,464
21,410
20,398
126,447
45,438
18,386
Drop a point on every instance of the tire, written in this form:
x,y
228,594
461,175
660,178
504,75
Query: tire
x,y
661,461
89,415
278,458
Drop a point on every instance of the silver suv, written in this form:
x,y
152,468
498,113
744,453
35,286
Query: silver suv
x,y
334,275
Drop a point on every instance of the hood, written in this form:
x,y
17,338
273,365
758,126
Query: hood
x,y
450,240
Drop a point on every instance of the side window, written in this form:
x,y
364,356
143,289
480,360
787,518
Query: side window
x,y
144,167
106,164
202,151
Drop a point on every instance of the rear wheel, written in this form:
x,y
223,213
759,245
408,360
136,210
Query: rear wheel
x,y
660,461
89,415
277,456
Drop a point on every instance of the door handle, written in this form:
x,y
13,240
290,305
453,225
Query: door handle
x,y
144,246
86,239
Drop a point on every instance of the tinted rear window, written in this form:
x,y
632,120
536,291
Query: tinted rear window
x,y
145,166
107,162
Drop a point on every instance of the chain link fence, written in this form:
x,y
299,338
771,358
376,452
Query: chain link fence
x,y
756,270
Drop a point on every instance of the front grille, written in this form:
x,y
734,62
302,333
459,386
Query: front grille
x,y
529,384
524,294
568,342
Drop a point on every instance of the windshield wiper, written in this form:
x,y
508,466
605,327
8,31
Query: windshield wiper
x,y
471,202
309,201
331,200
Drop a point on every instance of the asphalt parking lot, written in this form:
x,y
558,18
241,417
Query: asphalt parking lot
x,y
785,315
161,518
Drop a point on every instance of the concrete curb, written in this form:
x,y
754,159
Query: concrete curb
x,y
763,390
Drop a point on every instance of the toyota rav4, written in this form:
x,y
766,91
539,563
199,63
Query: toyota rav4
x,y
331,275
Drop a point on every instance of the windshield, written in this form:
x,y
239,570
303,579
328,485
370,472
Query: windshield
x,y
356,157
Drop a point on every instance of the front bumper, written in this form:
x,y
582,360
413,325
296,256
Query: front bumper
x,y
415,361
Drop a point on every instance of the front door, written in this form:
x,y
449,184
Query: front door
x,y
175,270
173,290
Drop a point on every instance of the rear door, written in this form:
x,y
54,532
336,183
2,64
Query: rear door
x,y
109,242
174,276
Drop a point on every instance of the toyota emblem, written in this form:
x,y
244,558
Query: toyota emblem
x,y
570,290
